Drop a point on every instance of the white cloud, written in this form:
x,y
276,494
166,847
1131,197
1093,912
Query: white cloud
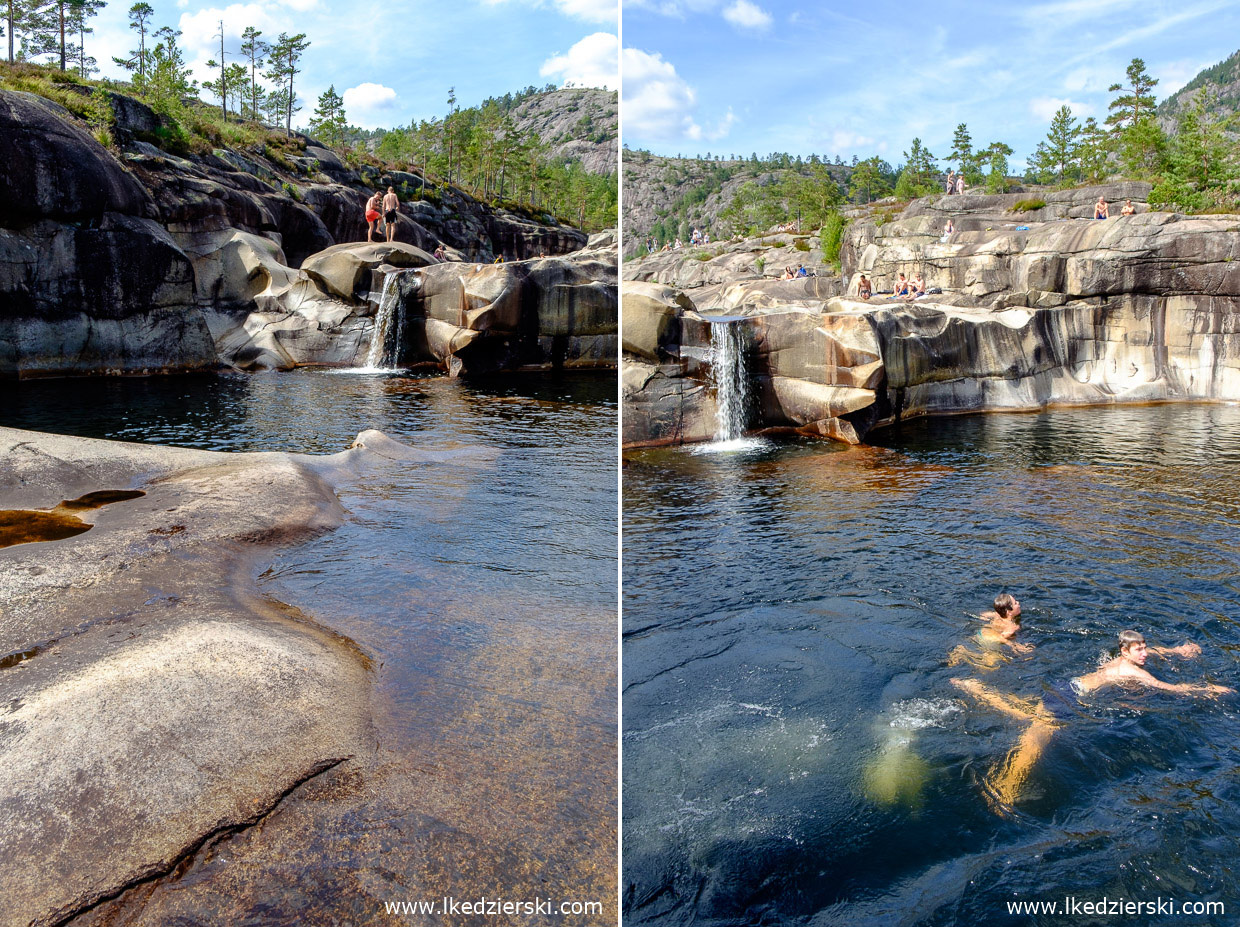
x,y
845,140
658,103
366,105
1044,108
745,15
1089,78
1175,74
590,63
300,6
200,31
595,11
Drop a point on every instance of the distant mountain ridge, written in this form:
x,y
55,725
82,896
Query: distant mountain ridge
x,y
1222,79
579,123
666,194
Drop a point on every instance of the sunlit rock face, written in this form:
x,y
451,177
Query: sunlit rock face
x,y
133,260
557,312
1033,308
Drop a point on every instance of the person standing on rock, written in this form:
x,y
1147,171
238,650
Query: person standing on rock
x,y
1101,209
950,185
391,209
960,183
372,214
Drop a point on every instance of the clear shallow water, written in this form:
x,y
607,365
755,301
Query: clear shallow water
x,y
793,748
482,586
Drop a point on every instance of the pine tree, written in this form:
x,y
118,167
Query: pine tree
x,y
79,12
1093,151
168,81
867,180
285,55
139,59
35,22
1060,153
1202,164
329,123
255,51
220,87
1137,102
997,154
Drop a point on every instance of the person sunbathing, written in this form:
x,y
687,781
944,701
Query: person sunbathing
x,y
1129,209
916,288
1004,783
900,288
1101,209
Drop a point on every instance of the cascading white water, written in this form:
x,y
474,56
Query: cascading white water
x,y
728,369
376,357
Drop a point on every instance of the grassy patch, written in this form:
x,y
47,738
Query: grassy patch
x,y
1027,205
800,244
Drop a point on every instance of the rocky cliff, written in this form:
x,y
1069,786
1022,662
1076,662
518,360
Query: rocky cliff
x,y
1034,308
133,259
579,124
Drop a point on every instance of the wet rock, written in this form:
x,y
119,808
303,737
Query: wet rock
x,y
161,701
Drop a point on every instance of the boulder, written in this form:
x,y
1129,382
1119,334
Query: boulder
x,y
344,270
54,169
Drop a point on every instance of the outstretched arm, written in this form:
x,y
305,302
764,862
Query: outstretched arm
x,y
1184,650
1181,688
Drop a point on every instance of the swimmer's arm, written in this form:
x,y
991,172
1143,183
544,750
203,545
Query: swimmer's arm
x,y
1019,647
1185,688
1184,650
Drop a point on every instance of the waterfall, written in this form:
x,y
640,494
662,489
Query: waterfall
x,y
728,370
385,330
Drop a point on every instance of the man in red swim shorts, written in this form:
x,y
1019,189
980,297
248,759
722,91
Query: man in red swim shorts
x,y
372,214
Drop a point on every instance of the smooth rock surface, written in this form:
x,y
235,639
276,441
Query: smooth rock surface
x,y
157,700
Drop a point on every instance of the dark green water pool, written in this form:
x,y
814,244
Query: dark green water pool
x,y
793,749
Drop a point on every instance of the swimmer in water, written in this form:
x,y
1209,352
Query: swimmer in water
x,y
1005,782
1002,625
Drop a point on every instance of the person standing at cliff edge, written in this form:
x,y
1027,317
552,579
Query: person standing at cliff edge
x,y
372,215
391,209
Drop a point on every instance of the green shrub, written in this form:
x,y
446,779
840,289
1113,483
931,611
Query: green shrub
x,y
760,263
832,236
800,244
1028,205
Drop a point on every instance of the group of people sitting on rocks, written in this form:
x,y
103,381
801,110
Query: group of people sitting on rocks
x,y
953,182
1102,209
1060,702
790,274
908,289
699,237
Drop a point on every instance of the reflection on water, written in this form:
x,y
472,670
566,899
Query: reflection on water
x,y
480,582
793,747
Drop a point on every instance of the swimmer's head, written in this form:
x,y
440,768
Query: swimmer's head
x,y
1132,646
1007,606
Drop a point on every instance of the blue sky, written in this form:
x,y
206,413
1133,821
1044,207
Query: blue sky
x,y
394,60
738,76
